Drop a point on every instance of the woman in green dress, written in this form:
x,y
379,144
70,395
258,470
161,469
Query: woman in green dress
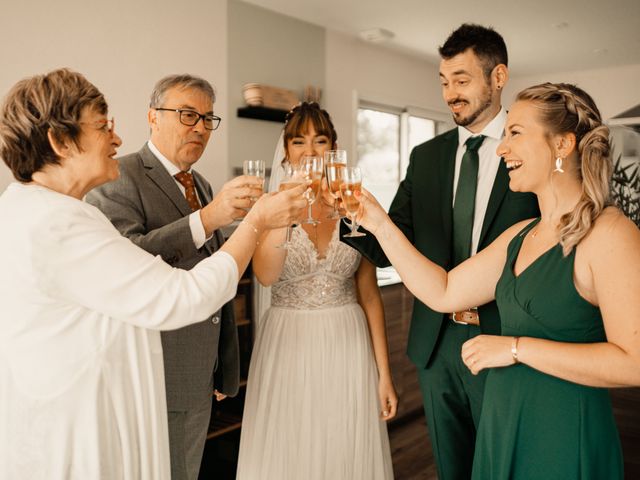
x,y
567,288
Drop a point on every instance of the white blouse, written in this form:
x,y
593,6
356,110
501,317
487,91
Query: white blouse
x,y
81,372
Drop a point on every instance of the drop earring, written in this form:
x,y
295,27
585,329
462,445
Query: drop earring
x,y
559,165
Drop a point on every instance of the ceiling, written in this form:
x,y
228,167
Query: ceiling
x,y
542,36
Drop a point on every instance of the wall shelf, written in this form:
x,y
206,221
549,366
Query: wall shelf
x,y
263,113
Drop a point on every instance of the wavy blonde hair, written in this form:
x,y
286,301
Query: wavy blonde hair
x,y
565,108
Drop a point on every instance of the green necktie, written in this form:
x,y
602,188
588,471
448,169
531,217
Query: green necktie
x,y
464,204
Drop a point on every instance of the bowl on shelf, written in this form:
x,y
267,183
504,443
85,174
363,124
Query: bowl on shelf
x,y
252,93
258,95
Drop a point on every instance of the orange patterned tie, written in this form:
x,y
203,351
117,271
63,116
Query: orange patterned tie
x,y
186,180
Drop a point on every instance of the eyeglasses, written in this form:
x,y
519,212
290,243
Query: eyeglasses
x,y
191,118
105,126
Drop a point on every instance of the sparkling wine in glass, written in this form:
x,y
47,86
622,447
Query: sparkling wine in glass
x,y
255,168
351,183
334,162
311,167
292,177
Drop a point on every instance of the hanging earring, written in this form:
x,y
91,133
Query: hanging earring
x,y
559,165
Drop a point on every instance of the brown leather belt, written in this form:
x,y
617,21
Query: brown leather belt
x,y
466,317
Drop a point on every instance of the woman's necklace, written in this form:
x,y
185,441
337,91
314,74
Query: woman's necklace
x,y
533,233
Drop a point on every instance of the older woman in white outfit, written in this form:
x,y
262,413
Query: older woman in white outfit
x,y
81,372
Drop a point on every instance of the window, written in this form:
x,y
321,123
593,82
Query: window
x,y
379,152
386,137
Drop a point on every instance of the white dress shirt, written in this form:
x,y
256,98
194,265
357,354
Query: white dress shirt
x,y
487,169
195,222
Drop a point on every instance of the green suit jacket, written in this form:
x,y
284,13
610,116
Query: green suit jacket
x,y
422,209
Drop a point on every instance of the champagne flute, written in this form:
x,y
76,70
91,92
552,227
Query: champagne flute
x,y
351,183
255,168
311,166
291,178
334,161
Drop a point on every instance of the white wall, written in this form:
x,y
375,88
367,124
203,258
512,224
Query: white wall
x,y
358,70
614,89
123,47
273,49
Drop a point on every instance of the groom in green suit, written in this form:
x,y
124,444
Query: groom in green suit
x,y
453,202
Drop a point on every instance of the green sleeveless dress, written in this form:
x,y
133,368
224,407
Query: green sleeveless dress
x,y
534,425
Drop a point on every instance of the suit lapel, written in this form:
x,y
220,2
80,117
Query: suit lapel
x,y
499,190
447,170
167,185
165,182
205,194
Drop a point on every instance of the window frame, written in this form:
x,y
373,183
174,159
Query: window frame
x,y
442,123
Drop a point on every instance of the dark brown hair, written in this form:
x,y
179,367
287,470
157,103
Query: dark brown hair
x,y
298,119
487,44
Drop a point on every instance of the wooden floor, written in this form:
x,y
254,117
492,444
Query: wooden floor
x,y
413,460
626,408
411,451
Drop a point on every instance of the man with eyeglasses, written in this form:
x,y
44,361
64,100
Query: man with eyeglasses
x,y
167,208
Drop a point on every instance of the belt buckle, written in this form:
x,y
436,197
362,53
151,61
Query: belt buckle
x,y
459,322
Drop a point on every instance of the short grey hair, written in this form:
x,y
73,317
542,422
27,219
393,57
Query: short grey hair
x,y
182,81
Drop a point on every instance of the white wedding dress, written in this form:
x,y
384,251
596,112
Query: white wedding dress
x,y
312,409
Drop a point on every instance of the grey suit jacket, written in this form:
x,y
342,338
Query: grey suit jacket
x,y
146,206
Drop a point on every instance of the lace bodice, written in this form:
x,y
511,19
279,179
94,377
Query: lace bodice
x,y
309,282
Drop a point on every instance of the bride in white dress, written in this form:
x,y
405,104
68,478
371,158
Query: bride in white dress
x,y
319,388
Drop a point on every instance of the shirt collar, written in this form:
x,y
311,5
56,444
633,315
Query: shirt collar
x,y
166,163
493,129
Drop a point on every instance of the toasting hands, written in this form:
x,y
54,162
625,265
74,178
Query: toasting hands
x,y
231,202
280,209
370,214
